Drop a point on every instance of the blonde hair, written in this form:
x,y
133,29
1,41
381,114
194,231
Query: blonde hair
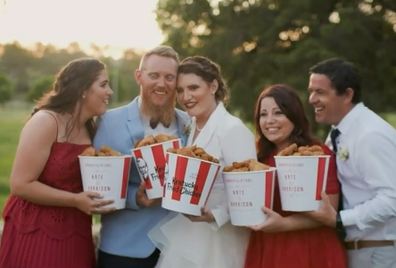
x,y
162,51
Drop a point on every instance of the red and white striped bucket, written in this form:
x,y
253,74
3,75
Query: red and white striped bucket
x,y
107,175
302,179
189,183
247,193
151,164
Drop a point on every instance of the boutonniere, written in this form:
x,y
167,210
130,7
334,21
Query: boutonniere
x,y
343,154
187,128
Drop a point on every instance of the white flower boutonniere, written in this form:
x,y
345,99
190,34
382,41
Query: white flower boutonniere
x,y
187,128
343,154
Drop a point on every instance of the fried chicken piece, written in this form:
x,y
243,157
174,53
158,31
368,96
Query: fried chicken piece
x,y
161,138
172,150
314,148
242,169
288,150
195,152
228,168
149,140
318,153
108,151
241,164
205,156
297,154
311,153
136,145
192,147
256,166
90,151
186,152
247,165
199,151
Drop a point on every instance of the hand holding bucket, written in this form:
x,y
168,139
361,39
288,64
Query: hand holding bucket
x,y
93,203
151,164
189,183
107,175
302,179
247,192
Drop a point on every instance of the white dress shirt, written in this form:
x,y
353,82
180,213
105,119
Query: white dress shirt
x,y
159,129
367,175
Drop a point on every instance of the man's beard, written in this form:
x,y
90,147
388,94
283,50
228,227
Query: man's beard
x,y
163,114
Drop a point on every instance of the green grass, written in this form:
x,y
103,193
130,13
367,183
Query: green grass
x,y
12,118
11,123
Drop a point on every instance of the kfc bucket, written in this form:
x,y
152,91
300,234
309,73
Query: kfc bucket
x,y
301,181
188,184
151,164
107,175
247,193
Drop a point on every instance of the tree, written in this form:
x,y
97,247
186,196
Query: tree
x,y
5,89
41,86
262,42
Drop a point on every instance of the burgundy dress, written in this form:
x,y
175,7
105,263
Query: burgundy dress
x,y
311,248
38,236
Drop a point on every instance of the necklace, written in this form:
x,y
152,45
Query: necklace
x,y
199,129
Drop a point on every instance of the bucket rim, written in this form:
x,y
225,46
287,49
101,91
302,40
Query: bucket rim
x,y
250,172
194,158
155,144
302,156
106,157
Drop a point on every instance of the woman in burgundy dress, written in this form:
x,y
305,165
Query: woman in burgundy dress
x,y
287,239
48,216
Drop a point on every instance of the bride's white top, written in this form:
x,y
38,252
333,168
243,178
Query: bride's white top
x,y
227,138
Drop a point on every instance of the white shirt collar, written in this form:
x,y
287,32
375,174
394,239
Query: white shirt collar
x,y
348,119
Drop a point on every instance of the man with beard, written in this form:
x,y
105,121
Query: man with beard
x,y
123,236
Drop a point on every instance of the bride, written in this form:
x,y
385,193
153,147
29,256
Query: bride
x,y
207,241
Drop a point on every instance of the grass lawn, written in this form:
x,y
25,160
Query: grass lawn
x,y
12,119
11,122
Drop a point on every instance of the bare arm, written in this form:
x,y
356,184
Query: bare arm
x,y
33,150
299,221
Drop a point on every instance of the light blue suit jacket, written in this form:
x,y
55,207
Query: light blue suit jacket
x,y
124,232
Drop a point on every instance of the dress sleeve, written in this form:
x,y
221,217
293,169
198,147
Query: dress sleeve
x,y
332,185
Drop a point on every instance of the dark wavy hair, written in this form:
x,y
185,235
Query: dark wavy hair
x,y
70,84
290,104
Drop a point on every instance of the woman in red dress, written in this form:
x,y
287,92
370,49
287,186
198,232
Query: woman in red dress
x,y
288,239
48,216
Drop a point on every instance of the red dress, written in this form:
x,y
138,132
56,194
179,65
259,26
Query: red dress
x,y
38,236
311,248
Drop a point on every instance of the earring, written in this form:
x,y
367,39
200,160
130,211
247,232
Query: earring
x,y
83,96
213,92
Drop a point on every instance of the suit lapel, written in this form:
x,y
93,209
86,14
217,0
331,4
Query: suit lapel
x,y
134,122
210,127
181,125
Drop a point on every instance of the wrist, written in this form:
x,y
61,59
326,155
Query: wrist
x,y
285,224
74,200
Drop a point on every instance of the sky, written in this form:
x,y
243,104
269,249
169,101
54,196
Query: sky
x,y
118,24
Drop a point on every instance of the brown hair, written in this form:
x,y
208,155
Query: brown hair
x,y
162,51
290,104
208,71
69,86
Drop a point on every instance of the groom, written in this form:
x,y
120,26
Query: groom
x,y
365,146
123,236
